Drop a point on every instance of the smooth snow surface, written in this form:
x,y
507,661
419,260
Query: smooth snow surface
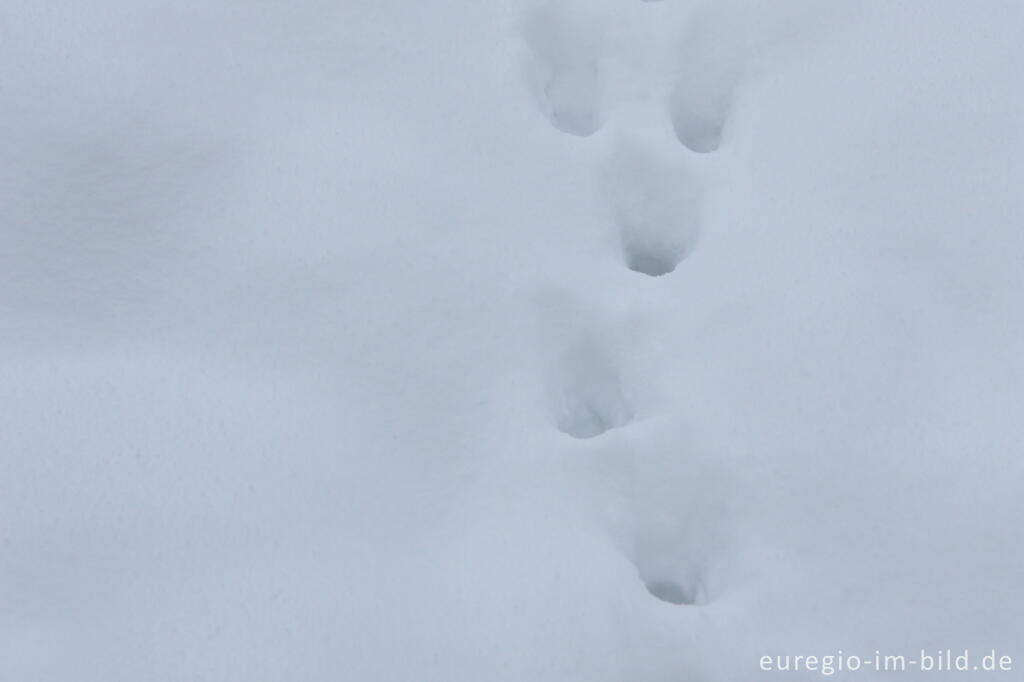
x,y
460,341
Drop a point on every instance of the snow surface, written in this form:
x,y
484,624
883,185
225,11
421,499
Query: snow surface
x,y
606,341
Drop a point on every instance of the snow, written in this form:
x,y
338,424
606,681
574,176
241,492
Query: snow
x,y
600,340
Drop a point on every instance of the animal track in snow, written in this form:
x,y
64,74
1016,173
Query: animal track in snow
x,y
668,551
589,399
585,387
678,504
702,97
565,71
655,209
699,119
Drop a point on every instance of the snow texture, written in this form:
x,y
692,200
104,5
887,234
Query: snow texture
x,y
512,341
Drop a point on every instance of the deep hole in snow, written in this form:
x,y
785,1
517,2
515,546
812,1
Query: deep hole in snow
x,y
652,264
654,203
590,398
701,136
566,72
588,420
671,592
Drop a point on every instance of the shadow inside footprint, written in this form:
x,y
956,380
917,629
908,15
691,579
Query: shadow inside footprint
x,y
590,419
651,264
701,134
673,592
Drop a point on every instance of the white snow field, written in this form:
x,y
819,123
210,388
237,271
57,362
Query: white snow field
x,y
462,341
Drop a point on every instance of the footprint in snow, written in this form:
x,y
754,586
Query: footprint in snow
x,y
654,205
678,507
585,387
565,72
705,82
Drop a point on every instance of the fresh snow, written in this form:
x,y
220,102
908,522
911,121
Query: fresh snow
x,y
604,340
